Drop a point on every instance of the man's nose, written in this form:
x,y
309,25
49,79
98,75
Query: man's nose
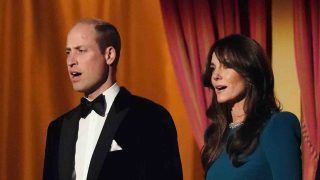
x,y
71,60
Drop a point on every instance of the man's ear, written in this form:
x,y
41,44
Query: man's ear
x,y
110,55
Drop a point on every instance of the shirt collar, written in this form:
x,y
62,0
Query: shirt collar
x,y
110,94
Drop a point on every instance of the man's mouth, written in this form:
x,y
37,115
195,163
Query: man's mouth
x,y
75,74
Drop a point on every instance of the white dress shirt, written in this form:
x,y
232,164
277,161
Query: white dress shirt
x,y
89,132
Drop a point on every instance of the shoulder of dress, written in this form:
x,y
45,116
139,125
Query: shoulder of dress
x,y
281,123
283,119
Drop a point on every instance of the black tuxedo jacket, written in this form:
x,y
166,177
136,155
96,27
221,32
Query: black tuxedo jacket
x,y
144,130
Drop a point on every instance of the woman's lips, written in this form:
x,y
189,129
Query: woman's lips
x,y
220,88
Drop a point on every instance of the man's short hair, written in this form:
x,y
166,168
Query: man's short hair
x,y
106,35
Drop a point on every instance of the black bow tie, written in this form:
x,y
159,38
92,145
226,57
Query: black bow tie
x,y
98,105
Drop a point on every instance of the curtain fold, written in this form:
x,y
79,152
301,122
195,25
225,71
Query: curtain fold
x,y
306,36
191,27
189,33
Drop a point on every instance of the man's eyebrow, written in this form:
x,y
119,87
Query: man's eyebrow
x,y
77,48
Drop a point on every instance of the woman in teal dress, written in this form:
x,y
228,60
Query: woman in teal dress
x,y
249,138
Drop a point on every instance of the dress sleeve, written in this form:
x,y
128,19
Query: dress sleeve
x,y
281,143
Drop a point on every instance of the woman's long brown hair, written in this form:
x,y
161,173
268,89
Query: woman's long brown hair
x,y
247,58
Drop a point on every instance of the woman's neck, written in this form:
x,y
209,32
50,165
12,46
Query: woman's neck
x,y
237,111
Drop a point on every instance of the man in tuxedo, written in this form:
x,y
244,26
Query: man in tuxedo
x,y
112,134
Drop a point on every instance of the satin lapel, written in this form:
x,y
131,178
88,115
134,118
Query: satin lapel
x,y
116,114
68,138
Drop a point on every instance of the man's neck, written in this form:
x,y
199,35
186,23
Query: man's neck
x,y
100,90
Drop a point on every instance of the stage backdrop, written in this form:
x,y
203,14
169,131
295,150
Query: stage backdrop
x,y
34,86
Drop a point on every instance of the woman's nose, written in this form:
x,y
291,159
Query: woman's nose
x,y
216,74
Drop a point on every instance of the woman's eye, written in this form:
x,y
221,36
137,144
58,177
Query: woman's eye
x,y
212,68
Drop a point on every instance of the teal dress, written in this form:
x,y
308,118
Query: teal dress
x,y
277,156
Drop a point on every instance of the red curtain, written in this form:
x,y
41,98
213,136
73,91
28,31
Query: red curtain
x,y
189,33
306,36
192,26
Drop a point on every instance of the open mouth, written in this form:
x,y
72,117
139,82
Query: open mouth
x,y
75,74
220,88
